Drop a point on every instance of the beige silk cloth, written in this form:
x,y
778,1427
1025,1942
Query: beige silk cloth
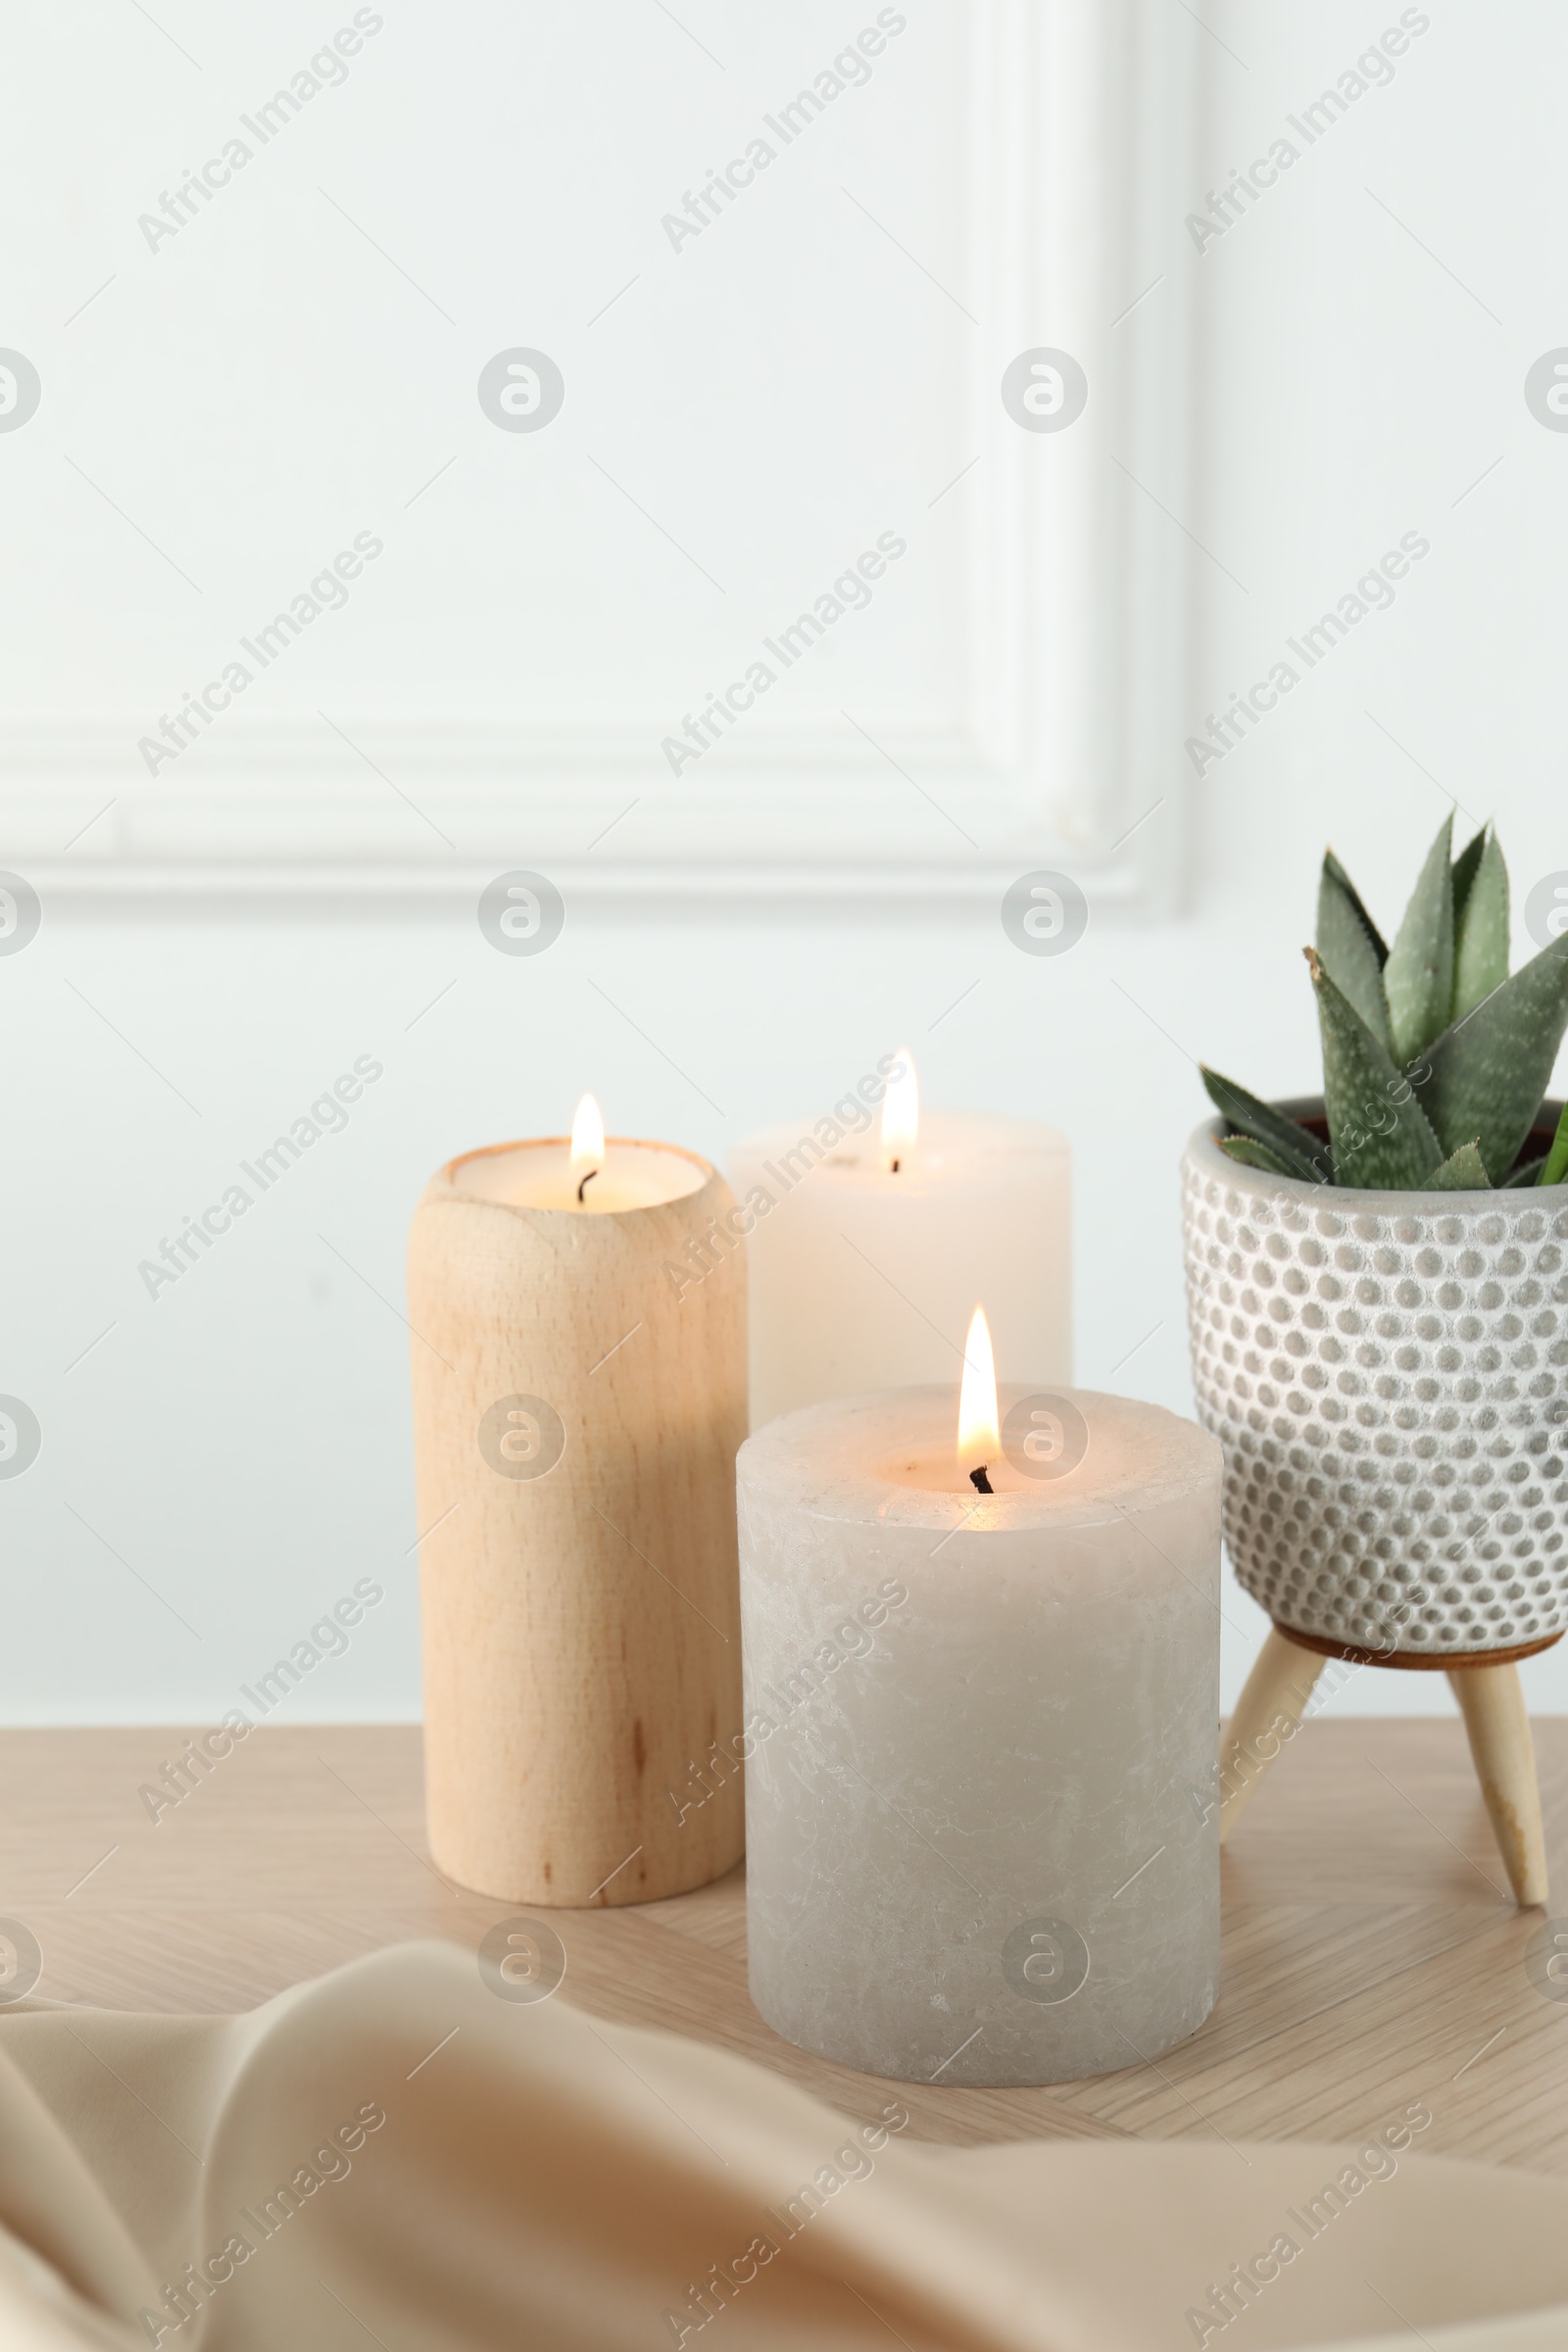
x,y
539,2182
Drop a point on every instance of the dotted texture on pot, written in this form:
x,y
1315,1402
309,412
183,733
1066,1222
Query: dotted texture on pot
x,y
1388,1376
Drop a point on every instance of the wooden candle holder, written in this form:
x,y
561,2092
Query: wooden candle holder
x,y
578,1575
1485,1684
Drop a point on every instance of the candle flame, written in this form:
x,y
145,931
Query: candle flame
x,y
900,1111
979,1436
587,1141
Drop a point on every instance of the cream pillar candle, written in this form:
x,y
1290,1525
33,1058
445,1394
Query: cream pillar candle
x,y
575,1427
861,1272
982,1845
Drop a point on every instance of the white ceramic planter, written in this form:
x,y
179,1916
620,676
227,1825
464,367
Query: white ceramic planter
x,y
1388,1376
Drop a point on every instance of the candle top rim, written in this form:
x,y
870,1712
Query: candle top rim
x,y
449,1175
830,1461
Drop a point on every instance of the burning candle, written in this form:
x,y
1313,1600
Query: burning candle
x,y
872,1231
981,1696
979,1438
900,1113
575,1427
584,1173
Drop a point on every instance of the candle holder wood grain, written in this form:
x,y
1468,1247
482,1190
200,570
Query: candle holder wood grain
x,y
577,1417
1485,1684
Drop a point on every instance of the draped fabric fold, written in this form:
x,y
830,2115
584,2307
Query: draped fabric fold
x,y
395,2154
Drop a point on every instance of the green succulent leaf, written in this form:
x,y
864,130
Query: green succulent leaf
x,y
1418,978
1554,1167
1465,873
1349,950
1299,1151
1249,1152
1436,1060
1381,1137
1485,1076
1481,929
1462,1171
1375,939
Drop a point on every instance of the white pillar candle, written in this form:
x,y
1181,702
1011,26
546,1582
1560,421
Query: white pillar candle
x,y
982,1836
861,1272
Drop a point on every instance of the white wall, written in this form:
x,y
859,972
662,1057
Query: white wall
x,y
239,1445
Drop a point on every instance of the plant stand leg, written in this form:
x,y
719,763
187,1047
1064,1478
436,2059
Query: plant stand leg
x,y
1492,1704
1265,1716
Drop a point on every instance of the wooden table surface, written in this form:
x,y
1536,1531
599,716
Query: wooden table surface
x,y
1371,1956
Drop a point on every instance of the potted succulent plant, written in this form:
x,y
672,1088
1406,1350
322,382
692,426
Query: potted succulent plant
x,y
1378,1301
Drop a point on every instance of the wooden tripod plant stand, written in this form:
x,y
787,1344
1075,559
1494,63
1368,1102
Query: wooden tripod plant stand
x,y
1485,1684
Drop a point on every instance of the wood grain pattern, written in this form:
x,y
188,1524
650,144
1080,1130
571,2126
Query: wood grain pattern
x,y
1373,1953
1268,1712
581,1627
1492,1701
